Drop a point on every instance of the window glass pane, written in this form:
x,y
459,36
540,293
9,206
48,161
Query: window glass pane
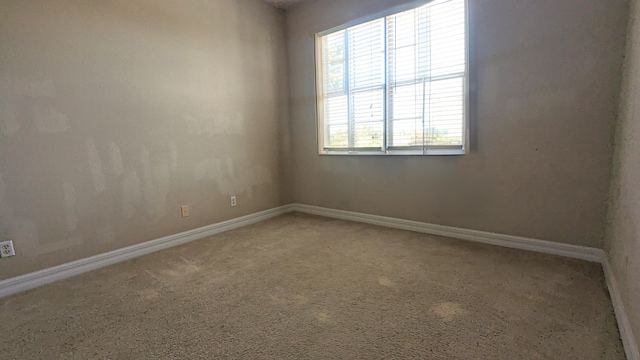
x,y
366,54
407,132
407,101
334,78
333,62
335,111
403,34
406,115
334,46
368,106
445,119
405,64
368,135
338,136
336,121
446,23
401,43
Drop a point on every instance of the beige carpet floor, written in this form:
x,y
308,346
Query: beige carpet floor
x,y
304,287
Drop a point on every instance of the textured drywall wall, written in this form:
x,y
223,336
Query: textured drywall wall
x,y
623,226
114,113
546,76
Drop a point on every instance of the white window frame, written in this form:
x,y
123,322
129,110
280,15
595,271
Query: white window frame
x,y
426,150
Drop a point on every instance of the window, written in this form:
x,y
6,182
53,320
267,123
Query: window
x,y
396,84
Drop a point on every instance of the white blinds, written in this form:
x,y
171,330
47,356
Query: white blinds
x,y
396,82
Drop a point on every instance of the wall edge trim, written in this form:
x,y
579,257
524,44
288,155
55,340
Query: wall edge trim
x,y
622,317
510,241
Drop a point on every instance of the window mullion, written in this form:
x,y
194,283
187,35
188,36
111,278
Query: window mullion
x,y
385,89
426,141
347,85
389,86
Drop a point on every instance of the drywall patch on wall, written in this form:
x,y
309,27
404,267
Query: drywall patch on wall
x,y
116,159
193,125
174,157
155,185
61,245
131,194
3,188
207,169
95,165
47,119
35,88
70,203
38,94
27,232
158,191
106,234
222,123
233,125
5,209
9,124
232,179
23,230
263,175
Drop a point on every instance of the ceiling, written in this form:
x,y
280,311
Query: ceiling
x,y
282,4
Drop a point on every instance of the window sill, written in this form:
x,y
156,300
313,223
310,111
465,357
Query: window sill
x,y
432,152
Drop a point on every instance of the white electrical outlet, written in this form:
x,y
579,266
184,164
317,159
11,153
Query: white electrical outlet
x,y
6,249
184,210
233,201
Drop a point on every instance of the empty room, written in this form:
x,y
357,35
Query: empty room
x,y
320,179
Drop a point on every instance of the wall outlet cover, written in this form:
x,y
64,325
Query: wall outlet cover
x,y
184,210
6,249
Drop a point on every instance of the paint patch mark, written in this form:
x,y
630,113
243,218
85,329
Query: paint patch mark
x,y
27,232
9,124
207,170
3,187
70,203
116,159
95,165
106,234
131,191
49,120
155,185
174,158
61,245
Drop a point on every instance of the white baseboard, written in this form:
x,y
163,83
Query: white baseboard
x,y
32,280
510,241
38,278
624,326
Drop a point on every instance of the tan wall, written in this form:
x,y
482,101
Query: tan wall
x,y
113,113
546,75
623,230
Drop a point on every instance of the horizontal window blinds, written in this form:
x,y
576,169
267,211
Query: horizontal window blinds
x,y
396,82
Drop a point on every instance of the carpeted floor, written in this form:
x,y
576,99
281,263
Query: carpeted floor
x,y
300,287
